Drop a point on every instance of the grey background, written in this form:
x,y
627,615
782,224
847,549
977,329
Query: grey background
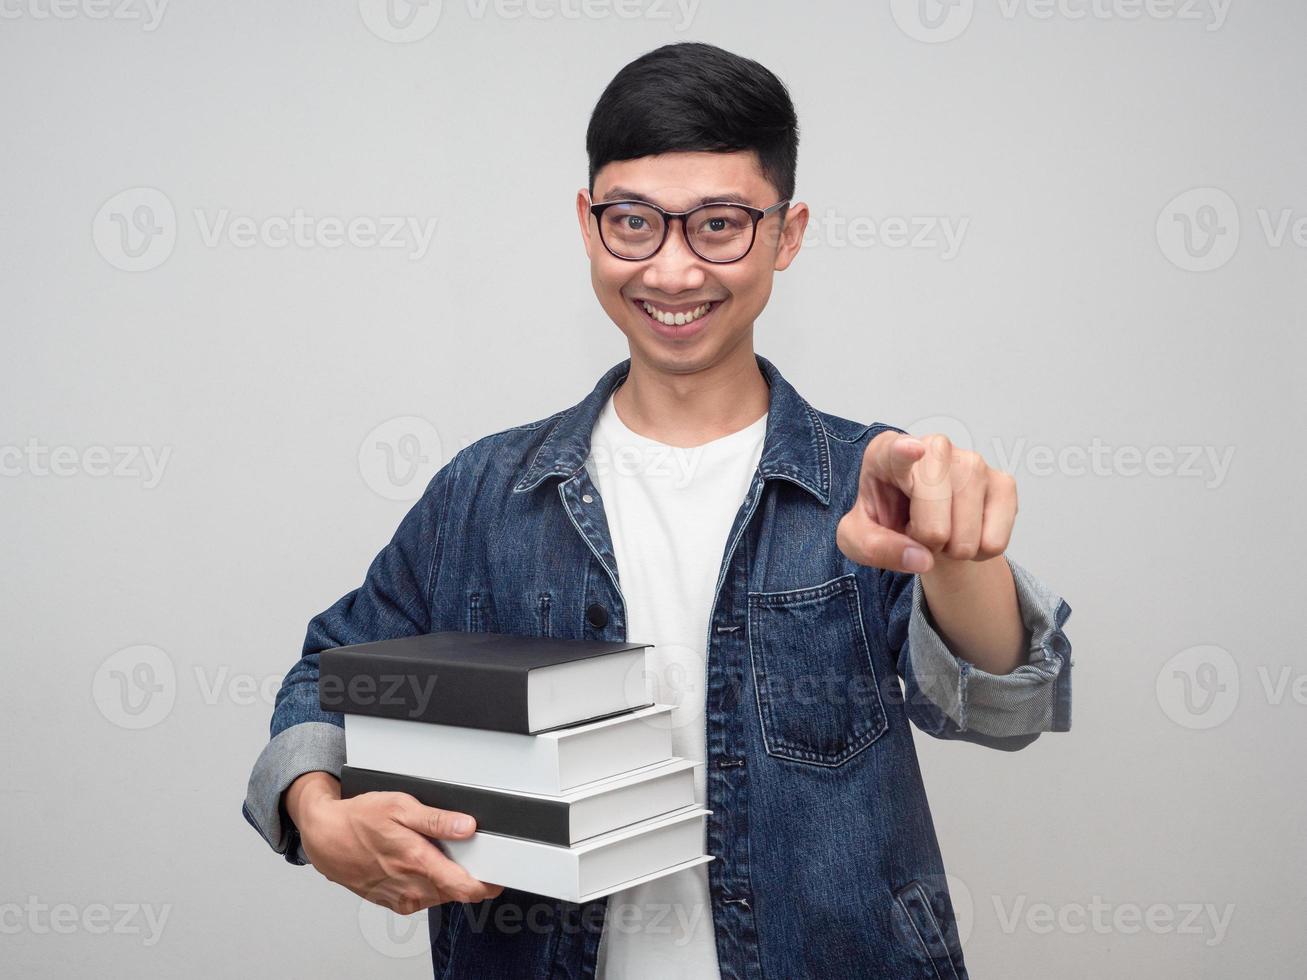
x,y
1069,317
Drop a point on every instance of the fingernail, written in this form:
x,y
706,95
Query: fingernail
x,y
916,559
462,825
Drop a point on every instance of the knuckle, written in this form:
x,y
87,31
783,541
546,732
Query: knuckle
x,y
445,822
970,463
413,858
932,534
963,550
436,822
461,892
939,444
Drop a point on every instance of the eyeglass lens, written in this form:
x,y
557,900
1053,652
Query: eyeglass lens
x,y
718,233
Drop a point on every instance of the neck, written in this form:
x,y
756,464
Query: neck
x,y
689,409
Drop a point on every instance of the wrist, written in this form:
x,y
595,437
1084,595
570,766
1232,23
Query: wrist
x,y
305,795
949,575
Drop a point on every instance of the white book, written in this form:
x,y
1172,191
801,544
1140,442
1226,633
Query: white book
x,y
591,869
609,804
549,763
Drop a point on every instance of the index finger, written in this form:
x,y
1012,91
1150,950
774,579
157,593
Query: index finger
x,y
930,509
890,457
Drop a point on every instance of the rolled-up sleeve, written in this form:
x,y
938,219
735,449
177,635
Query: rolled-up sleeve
x,y
312,746
394,600
949,697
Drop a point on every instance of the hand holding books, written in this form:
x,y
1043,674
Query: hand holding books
x,y
378,845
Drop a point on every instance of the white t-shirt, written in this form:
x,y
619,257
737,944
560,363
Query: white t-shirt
x,y
669,510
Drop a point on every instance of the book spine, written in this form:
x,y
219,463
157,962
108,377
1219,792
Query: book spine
x,y
546,821
464,695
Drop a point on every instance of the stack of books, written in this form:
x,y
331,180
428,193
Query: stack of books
x,y
552,745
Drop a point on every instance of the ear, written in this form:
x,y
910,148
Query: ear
x,y
791,236
583,216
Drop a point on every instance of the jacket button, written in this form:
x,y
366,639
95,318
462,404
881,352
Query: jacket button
x,y
596,615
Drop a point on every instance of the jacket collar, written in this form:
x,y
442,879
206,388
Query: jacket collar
x,y
795,446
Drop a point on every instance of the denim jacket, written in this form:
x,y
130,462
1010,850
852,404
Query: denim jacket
x,y
827,863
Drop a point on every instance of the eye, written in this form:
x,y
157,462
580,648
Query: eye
x,y
718,224
634,222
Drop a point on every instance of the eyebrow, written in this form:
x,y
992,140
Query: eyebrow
x,y
626,194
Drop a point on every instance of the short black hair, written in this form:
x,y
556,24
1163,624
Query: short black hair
x,y
696,97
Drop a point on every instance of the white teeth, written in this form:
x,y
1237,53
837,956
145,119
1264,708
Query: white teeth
x,y
676,319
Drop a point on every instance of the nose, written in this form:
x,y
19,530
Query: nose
x,y
674,269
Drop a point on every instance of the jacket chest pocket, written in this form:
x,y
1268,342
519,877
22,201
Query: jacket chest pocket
x,y
818,700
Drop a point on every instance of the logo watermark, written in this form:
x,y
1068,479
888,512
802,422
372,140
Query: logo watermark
x,y
136,229
391,934
299,229
34,458
932,21
148,12
1204,920
96,918
1208,464
676,922
1200,229
646,461
938,21
135,687
942,234
400,21
674,674
398,458
406,21
394,690
1200,687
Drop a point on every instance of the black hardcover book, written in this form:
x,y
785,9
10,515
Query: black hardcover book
x,y
494,681
592,809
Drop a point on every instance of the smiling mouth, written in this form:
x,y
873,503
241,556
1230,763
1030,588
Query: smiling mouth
x,y
673,316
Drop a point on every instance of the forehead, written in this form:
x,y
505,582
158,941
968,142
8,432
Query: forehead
x,y
683,179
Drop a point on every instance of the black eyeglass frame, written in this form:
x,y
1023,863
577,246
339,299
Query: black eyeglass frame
x,y
757,214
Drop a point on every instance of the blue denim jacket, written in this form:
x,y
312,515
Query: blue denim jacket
x,y
827,861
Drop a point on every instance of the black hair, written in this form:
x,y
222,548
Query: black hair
x,y
694,96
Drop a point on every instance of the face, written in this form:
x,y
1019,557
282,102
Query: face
x,y
675,280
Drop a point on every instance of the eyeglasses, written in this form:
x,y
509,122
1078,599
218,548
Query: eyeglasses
x,y
720,233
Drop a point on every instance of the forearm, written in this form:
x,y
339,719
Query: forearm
x,y
973,605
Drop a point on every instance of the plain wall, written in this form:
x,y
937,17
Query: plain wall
x,y
1144,387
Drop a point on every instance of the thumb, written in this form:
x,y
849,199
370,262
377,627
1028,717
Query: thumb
x,y
430,821
869,543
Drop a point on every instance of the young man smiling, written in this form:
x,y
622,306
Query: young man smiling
x,y
809,583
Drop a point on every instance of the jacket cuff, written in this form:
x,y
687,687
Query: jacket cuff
x,y
1035,697
308,747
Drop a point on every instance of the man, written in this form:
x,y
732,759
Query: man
x,y
809,584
